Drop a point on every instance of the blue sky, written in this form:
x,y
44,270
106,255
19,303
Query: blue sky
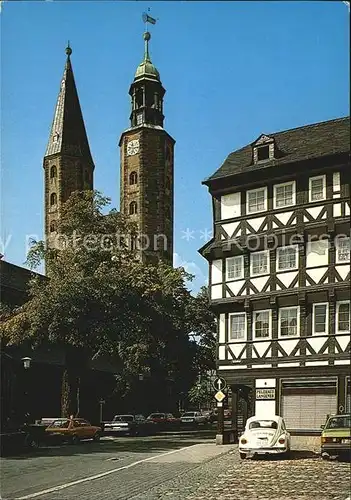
x,y
232,70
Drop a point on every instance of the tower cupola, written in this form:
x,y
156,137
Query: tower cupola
x,y
147,92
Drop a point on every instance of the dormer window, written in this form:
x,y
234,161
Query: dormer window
x,y
263,149
263,153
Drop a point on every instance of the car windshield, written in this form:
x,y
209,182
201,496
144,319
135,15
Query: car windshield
x,y
123,418
63,424
156,415
189,414
342,422
265,424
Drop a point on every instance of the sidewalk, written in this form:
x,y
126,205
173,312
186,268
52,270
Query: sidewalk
x,y
221,475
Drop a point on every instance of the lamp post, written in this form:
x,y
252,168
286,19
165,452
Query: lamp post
x,y
26,365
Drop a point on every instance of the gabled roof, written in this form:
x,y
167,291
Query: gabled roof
x,y
68,134
298,144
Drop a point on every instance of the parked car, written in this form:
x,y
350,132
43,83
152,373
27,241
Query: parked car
x,y
13,439
193,418
264,435
210,415
73,430
127,424
336,437
163,421
24,437
37,435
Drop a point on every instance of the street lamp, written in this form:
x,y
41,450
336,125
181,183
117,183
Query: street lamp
x,y
26,362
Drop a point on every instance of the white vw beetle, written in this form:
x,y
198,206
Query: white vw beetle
x,y
264,435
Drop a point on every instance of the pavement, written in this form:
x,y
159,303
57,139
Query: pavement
x,y
173,467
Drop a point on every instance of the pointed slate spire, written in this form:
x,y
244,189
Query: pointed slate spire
x,y
68,134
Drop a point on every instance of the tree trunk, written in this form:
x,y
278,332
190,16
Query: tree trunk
x,y
70,393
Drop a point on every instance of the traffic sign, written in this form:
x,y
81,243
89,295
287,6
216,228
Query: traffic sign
x,y
219,384
219,396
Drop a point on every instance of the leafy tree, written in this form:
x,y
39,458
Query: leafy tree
x,y
201,393
101,298
203,327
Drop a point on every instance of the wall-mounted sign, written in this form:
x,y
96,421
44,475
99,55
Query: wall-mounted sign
x,y
265,393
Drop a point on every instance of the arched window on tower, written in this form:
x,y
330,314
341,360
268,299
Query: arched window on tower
x,y
53,199
133,208
133,178
53,172
53,226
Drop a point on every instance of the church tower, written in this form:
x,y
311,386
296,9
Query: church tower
x,y
147,156
68,164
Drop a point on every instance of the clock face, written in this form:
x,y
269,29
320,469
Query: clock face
x,y
133,147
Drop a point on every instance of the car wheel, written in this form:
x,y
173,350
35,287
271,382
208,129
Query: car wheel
x,y
75,439
97,436
32,443
243,456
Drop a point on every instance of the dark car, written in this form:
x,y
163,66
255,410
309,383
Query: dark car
x,y
13,440
133,425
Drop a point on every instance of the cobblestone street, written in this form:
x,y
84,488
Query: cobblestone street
x,y
305,476
296,479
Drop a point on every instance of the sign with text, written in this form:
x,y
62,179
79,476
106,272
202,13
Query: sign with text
x,y
265,393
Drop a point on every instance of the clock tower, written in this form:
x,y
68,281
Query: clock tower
x,y
147,156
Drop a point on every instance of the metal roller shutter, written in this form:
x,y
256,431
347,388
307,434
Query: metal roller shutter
x,y
307,411
348,403
348,396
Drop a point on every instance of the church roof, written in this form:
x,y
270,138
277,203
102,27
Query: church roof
x,y
68,134
294,145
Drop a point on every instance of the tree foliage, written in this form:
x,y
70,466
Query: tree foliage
x,y
100,298
203,327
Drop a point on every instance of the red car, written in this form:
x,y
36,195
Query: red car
x,y
163,420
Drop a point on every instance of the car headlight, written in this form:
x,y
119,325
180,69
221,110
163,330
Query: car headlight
x,y
281,440
243,441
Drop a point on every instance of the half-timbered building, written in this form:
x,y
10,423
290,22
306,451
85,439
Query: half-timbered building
x,y
279,273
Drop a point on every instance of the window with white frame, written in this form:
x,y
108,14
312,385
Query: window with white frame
x,y
259,263
262,324
256,200
237,326
317,189
235,267
289,321
284,194
343,317
287,258
320,318
342,250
